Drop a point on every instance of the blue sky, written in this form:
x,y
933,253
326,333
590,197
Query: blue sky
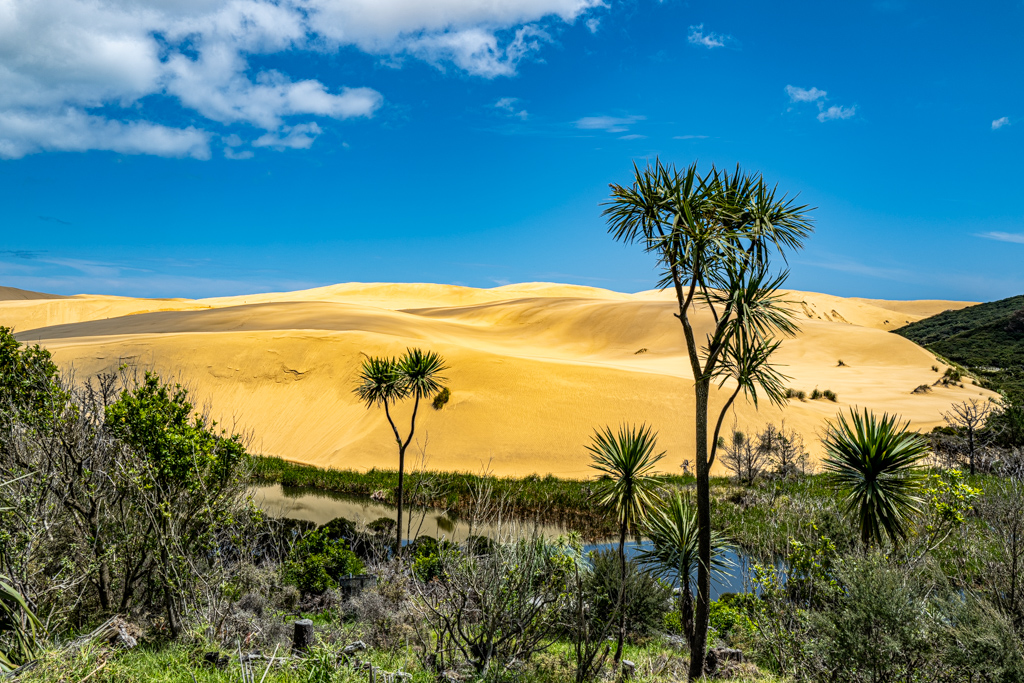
x,y
211,147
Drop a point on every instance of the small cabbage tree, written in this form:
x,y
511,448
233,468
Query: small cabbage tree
x,y
389,381
627,487
673,531
876,463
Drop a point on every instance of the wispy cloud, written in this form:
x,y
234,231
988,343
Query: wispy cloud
x,y
818,96
54,219
836,113
295,137
610,124
23,254
804,94
1012,237
593,24
710,40
632,136
1000,122
510,106
689,137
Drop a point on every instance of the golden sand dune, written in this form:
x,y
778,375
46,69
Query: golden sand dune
x,y
534,367
15,294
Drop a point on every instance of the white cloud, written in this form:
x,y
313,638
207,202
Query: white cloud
x,y
831,113
835,113
61,58
1000,122
232,154
510,105
690,137
1012,237
709,40
610,124
593,24
295,137
801,95
632,136
72,130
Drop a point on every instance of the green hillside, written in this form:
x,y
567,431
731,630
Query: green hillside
x,y
987,338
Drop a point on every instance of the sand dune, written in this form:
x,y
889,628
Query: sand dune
x,y
534,367
15,294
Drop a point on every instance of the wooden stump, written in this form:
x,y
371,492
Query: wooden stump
x,y
303,638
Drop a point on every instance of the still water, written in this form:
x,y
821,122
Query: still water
x,y
321,507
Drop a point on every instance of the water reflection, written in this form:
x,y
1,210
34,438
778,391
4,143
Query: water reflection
x,y
321,507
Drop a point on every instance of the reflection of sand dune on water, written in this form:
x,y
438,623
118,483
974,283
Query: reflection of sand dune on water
x,y
321,507
534,367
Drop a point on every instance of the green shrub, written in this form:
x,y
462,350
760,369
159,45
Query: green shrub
x,y
728,616
830,395
317,562
428,557
815,395
442,398
647,599
794,393
881,629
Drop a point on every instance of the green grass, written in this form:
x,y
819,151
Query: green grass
x,y
655,661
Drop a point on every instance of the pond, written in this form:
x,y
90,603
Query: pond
x,y
321,507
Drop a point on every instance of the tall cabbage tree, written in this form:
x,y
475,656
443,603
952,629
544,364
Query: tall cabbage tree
x,y
714,235
673,532
389,381
628,487
876,464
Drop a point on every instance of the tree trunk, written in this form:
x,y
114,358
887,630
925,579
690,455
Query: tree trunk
x,y
970,448
700,626
401,484
622,595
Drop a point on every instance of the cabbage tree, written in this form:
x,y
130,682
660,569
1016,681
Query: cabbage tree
x,y
713,236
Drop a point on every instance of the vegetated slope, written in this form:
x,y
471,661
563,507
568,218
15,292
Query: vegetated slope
x,y
534,368
987,338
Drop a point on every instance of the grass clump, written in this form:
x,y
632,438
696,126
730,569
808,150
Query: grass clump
x,y
442,398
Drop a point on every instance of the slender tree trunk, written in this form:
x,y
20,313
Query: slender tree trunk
x,y
700,634
970,448
401,486
622,594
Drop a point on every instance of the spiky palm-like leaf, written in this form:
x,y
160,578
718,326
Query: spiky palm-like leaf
x,y
18,624
877,464
626,461
380,382
672,530
421,372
